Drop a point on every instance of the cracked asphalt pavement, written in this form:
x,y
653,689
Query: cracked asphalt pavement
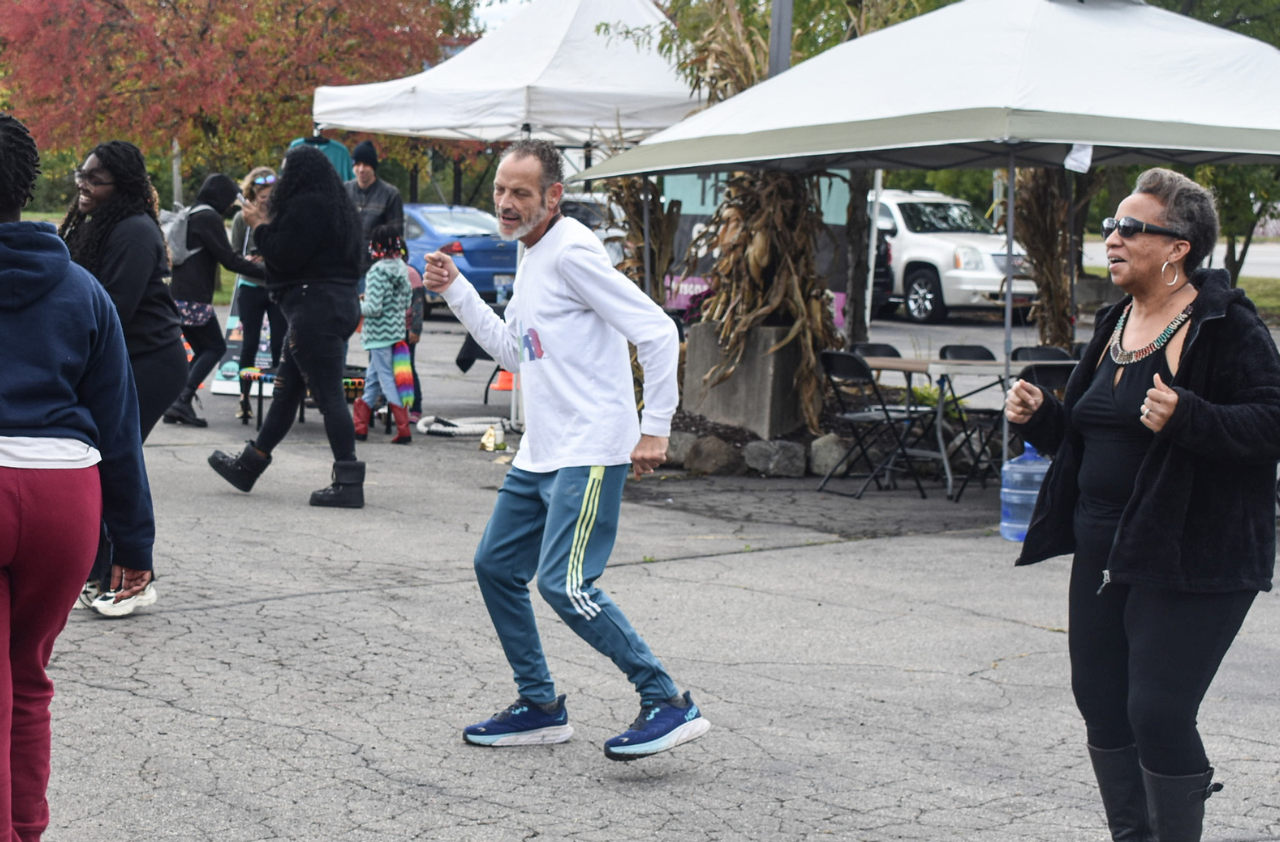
x,y
874,670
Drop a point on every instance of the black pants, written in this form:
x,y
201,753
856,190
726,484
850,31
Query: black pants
x,y
1142,658
322,318
159,376
417,384
208,346
253,302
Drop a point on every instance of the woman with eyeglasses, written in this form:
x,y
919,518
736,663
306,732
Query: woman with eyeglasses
x,y
195,279
112,229
252,299
1163,487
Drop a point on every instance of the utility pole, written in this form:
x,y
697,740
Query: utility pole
x,y
177,175
779,37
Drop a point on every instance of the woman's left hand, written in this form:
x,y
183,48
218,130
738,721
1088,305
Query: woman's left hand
x,y
1159,406
127,581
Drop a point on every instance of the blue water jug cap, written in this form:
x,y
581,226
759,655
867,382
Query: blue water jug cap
x,y
1029,451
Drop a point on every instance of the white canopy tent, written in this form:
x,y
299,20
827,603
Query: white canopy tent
x,y
967,84
995,83
545,73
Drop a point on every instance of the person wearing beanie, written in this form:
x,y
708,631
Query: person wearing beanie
x,y
377,202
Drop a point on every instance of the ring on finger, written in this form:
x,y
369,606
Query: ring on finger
x,y
1144,410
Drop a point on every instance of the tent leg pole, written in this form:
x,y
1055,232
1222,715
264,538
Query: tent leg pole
x,y
648,269
873,243
1012,194
1071,246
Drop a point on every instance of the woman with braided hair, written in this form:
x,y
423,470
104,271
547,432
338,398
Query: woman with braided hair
x,y
70,458
112,230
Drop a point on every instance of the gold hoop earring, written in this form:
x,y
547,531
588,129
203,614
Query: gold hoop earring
x,y
1166,265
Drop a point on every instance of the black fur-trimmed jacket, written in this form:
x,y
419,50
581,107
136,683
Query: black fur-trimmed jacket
x,y
1202,516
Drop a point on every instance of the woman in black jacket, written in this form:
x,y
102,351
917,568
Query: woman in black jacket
x,y
112,230
1163,487
311,248
194,281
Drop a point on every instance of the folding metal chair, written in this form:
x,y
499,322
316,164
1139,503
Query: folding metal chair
x,y
1032,353
844,369
982,424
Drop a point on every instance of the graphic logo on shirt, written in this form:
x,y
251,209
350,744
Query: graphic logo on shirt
x,y
531,346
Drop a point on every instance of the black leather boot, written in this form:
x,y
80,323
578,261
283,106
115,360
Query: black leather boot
x,y
241,471
182,412
347,491
1124,798
1175,804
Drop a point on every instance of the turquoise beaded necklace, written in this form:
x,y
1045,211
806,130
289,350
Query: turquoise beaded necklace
x,y
1123,357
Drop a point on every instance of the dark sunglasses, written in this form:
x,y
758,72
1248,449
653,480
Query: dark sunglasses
x,y
264,179
91,178
1130,227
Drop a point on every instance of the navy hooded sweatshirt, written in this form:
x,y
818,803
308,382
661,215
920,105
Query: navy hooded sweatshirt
x,y
66,374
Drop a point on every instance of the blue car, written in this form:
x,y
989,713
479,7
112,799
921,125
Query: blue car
x,y
470,237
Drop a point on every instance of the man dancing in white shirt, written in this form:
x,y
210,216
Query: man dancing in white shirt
x,y
566,332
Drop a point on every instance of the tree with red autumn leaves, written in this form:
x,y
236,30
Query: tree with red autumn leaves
x,y
227,79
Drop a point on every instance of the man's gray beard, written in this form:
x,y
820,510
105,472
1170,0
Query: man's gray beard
x,y
541,214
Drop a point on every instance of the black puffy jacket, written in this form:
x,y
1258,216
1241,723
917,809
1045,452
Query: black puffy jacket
x,y
1202,516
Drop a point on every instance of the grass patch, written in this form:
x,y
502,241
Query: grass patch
x,y
1263,292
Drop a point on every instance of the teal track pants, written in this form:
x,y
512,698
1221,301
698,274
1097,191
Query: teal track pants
x,y
560,527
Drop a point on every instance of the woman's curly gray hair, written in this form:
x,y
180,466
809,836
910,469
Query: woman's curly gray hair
x,y
1188,208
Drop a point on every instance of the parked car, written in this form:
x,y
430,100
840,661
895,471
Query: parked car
x,y
600,215
946,256
470,237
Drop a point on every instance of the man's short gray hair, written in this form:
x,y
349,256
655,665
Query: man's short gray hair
x,y
548,156
1188,209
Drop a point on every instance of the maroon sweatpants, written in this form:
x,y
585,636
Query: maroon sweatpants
x,y
48,537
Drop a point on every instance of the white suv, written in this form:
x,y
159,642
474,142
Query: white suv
x,y
946,256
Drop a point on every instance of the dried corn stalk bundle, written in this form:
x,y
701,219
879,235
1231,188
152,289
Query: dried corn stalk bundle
x,y
763,239
1042,226
629,194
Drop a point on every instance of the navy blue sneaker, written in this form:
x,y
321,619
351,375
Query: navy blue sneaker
x,y
523,723
660,726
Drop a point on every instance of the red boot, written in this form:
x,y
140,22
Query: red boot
x,y
404,431
361,413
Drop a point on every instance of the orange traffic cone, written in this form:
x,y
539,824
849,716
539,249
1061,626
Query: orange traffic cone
x,y
503,383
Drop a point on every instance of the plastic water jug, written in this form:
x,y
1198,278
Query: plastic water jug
x,y
1019,486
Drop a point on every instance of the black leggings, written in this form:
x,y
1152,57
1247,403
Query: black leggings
x,y
208,346
1142,658
159,376
252,302
322,318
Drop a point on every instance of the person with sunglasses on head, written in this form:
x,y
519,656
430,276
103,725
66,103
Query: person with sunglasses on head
x,y
70,457
112,229
194,281
1163,488
252,299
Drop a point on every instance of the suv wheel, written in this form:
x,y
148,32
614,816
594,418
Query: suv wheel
x,y
924,298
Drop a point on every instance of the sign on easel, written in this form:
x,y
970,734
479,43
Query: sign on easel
x,y
226,378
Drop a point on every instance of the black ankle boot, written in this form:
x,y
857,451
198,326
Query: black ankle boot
x,y
1124,798
182,412
347,491
1175,804
241,471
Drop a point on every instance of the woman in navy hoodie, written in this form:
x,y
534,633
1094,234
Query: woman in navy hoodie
x,y
70,457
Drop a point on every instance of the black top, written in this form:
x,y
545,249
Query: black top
x,y
133,267
196,278
308,243
1202,514
1115,439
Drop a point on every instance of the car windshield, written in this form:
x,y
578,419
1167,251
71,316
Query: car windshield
x,y
935,217
590,214
460,223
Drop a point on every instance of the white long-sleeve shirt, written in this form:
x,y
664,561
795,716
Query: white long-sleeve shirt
x,y
566,330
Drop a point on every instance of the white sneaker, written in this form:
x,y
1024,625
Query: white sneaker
x,y
87,596
108,607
